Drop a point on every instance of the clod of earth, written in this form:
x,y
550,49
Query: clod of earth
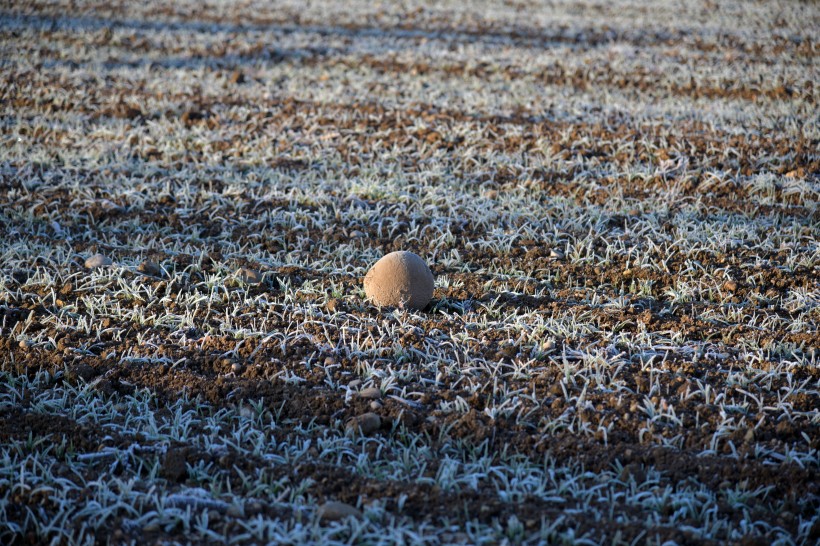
x,y
400,279
371,393
335,511
98,260
150,268
81,371
364,424
174,466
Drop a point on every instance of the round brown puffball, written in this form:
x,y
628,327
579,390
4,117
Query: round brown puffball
x,y
400,279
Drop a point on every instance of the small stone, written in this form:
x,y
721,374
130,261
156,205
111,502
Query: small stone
x,y
335,511
355,384
248,276
237,368
364,424
24,344
373,393
98,260
557,254
356,234
730,286
150,268
375,405
400,279
330,361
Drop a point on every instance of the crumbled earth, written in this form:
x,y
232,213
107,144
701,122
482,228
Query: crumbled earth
x,y
619,202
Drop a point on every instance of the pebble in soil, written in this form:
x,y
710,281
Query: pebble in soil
x,y
98,260
372,393
248,276
400,279
364,424
335,511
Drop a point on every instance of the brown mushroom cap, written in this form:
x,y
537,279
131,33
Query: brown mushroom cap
x,y
400,279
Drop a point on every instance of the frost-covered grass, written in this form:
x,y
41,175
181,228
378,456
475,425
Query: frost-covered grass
x,y
619,203
90,491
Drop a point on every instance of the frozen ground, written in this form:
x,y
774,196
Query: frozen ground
x,y
619,201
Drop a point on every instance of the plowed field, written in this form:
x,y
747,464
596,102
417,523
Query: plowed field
x,y
618,200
